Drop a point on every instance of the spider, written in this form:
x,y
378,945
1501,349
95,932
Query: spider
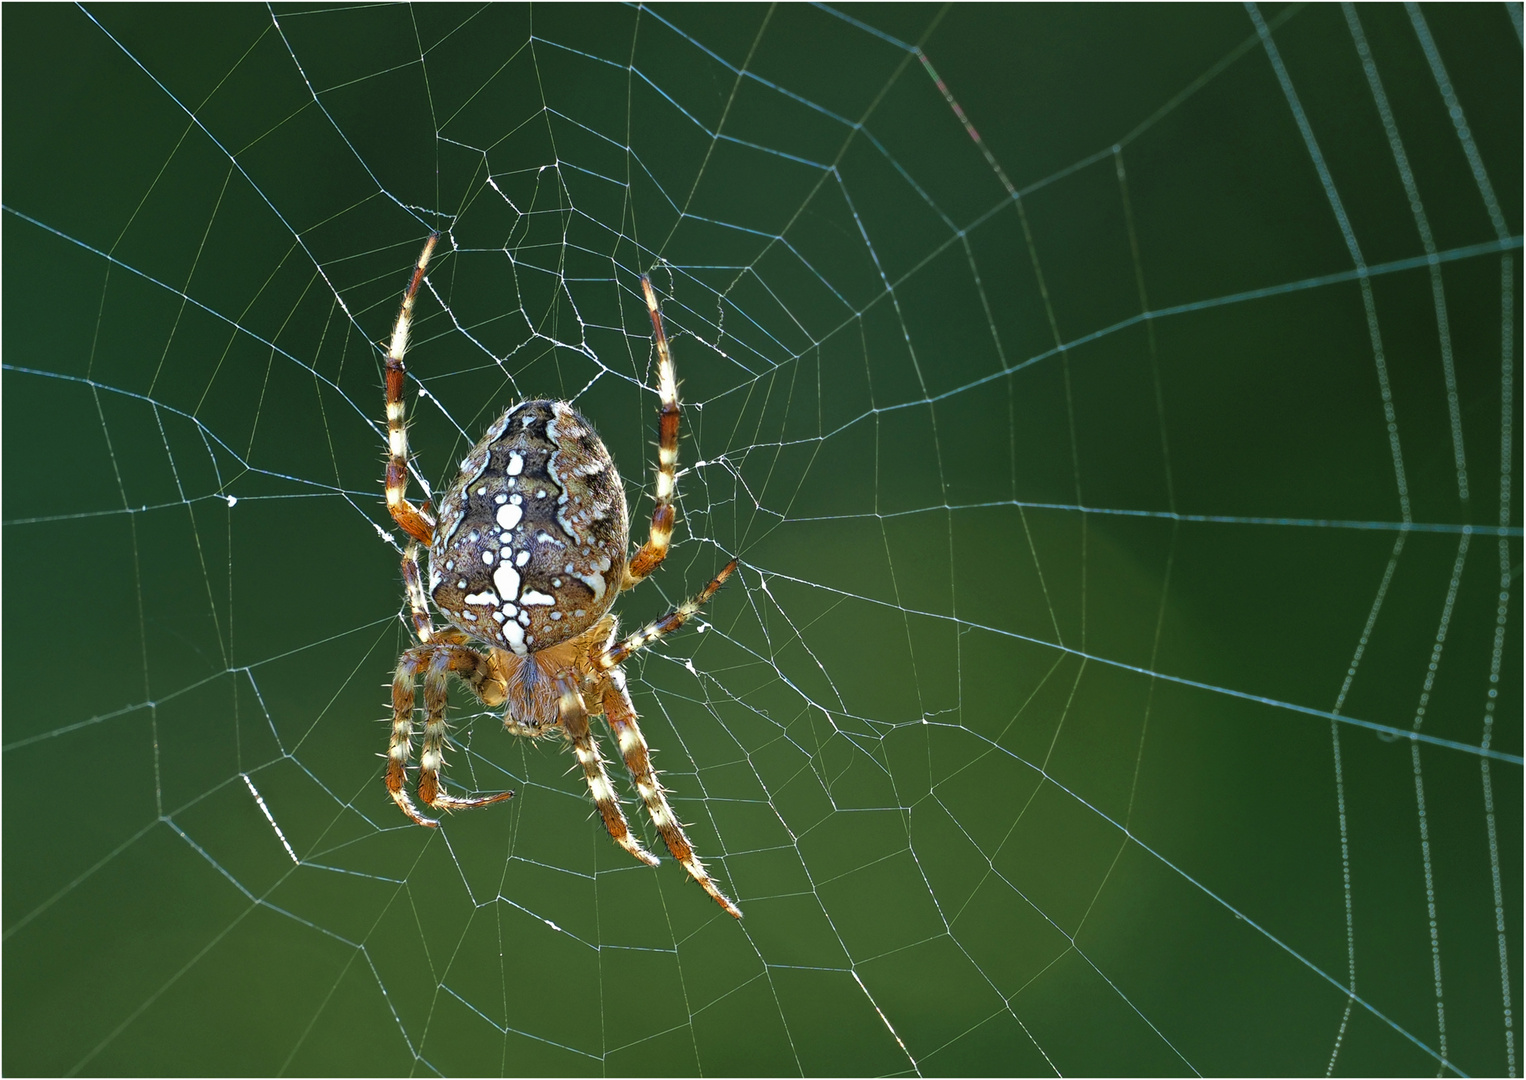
x,y
526,557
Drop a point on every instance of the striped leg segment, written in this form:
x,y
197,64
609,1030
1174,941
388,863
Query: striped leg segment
x,y
618,653
486,683
574,719
661,536
400,748
418,603
437,662
414,520
472,667
622,720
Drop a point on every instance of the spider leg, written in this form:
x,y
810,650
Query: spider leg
x,y
661,536
437,661
574,719
622,720
472,666
418,602
400,747
618,653
427,633
414,520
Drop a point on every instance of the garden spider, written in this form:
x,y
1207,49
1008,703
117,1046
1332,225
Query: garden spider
x,y
526,557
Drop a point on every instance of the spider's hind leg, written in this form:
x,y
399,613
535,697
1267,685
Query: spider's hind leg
x,y
418,602
655,549
414,520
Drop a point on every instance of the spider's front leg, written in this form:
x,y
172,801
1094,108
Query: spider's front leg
x,y
574,720
615,700
621,715
437,661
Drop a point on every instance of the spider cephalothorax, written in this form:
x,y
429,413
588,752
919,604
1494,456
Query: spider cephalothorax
x,y
526,558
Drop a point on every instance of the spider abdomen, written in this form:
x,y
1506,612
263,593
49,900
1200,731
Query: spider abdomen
x,y
530,547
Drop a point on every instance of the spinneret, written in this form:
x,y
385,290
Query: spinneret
x,y
525,560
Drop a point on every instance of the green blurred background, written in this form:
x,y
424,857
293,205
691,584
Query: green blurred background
x,y
1014,737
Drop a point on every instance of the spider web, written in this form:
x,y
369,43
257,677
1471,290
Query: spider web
x,y
1114,413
